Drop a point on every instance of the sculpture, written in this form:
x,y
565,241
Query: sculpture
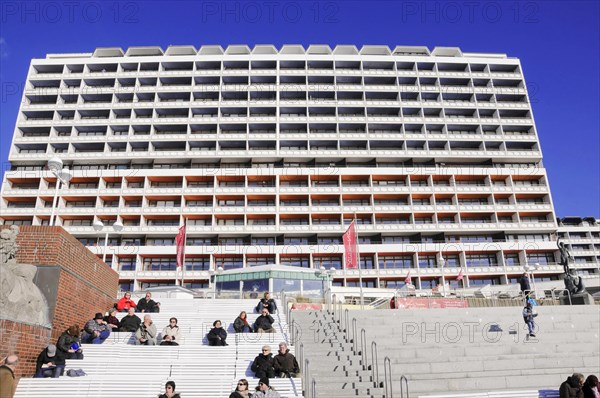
x,y
565,256
20,299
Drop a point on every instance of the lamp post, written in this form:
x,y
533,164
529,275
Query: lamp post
x,y
99,225
327,275
213,275
530,275
62,175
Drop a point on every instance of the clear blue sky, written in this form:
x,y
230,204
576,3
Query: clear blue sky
x,y
557,42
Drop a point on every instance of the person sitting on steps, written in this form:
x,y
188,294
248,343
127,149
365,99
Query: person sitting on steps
x,y
146,333
217,335
268,303
146,304
95,330
240,325
170,334
125,303
285,363
264,323
263,364
130,322
169,391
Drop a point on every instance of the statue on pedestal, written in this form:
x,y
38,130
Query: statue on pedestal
x,y
20,299
565,256
573,282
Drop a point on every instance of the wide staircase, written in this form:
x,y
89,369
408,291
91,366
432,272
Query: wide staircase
x,y
451,352
119,368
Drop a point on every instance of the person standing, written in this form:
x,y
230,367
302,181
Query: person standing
x,y
525,285
8,384
528,316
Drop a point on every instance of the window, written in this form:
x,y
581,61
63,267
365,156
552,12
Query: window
x,y
367,262
302,262
263,241
197,263
512,259
405,261
327,262
254,261
483,282
295,240
160,264
482,260
427,261
541,258
229,262
126,264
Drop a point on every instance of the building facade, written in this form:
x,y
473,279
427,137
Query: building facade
x,y
270,153
582,238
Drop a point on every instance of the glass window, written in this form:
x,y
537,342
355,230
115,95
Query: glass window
x,y
197,263
396,261
482,260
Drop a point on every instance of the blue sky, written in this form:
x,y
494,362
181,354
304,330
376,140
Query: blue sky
x,y
557,42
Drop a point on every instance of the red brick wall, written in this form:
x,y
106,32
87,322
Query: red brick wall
x,y
26,340
86,286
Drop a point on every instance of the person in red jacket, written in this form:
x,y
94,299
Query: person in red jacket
x,y
125,303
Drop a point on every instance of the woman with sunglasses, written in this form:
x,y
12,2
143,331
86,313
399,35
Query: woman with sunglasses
x,y
241,391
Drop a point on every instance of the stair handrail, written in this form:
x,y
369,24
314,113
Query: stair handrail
x,y
387,378
354,335
331,308
403,378
363,348
305,373
313,392
374,364
346,330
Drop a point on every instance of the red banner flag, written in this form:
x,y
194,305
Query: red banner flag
x,y
180,241
460,276
350,247
407,279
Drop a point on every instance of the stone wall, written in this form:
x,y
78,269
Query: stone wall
x,y
86,285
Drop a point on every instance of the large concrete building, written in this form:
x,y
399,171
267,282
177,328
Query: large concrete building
x,y
582,238
270,153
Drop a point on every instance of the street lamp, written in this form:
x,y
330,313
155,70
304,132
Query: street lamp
x,y
99,225
529,269
327,275
62,175
213,275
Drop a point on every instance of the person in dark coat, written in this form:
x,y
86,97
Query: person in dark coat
x,y
264,323
169,391
268,303
146,304
217,335
263,364
240,325
112,321
590,387
68,344
130,322
525,286
285,363
571,388
49,364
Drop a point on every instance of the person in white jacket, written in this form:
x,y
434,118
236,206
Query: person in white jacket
x,y
146,333
170,334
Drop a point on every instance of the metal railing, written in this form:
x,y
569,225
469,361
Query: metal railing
x,y
374,364
363,348
387,377
405,380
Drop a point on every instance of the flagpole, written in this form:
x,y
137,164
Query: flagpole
x,y
362,295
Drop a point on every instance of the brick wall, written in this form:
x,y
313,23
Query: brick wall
x,y
86,286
